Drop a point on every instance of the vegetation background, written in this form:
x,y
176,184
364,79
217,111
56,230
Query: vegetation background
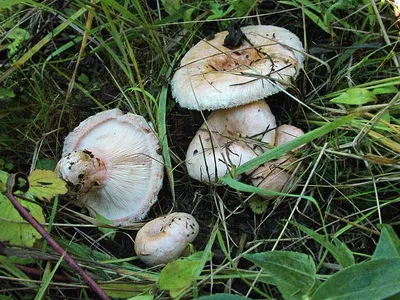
x,y
62,61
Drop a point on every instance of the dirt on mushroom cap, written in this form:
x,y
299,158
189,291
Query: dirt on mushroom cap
x,y
212,76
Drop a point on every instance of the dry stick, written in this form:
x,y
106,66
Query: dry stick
x,y
23,212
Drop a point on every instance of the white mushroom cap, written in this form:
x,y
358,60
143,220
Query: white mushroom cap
x,y
111,160
233,137
162,240
276,174
212,76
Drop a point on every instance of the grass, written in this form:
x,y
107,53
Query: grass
x,y
74,58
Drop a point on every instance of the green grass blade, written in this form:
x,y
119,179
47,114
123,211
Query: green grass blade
x,y
282,149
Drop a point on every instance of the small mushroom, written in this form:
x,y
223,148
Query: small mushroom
x,y
213,76
229,138
111,162
162,240
275,175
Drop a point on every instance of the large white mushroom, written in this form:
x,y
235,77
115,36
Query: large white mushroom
x,y
112,162
162,240
213,76
230,137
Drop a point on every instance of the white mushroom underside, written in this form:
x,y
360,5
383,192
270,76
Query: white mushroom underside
x,y
212,76
134,168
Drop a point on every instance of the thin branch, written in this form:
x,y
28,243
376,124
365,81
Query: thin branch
x,y
24,213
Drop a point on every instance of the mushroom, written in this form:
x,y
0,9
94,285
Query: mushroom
x,y
275,175
112,162
230,137
213,76
162,240
233,69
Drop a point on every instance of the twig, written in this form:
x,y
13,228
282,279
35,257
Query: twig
x,y
24,213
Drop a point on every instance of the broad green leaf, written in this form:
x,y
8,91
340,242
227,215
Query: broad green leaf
x,y
13,228
171,6
44,184
339,251
355,96
125,290
223,297
293,273
9,3
391,89
375,279
178,275
388,245
6,93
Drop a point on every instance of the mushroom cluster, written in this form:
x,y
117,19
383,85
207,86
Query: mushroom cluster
x,y
234,77
111,161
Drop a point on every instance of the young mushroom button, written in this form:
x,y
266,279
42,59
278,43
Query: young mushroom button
x,y
111,162
162,240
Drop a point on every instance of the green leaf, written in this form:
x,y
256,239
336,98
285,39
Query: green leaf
x,y
44,184
339,251
242,7
355,96
258,204
46,164
171,6
19,34
178,275
293,273
125,290
390,89
143,297
110,232
9,3
375,279
13,228
6,93
388,245
223,297
83,78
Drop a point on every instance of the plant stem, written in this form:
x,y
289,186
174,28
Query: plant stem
x,y
23,212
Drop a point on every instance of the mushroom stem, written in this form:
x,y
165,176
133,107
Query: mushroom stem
x,y
83,169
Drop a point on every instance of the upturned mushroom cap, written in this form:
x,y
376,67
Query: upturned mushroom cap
x,y
162,240
232,137
212,76
111,161
275,175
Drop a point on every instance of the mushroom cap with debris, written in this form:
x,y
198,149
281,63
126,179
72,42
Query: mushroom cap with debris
x,y
163,239
212,76
112,162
